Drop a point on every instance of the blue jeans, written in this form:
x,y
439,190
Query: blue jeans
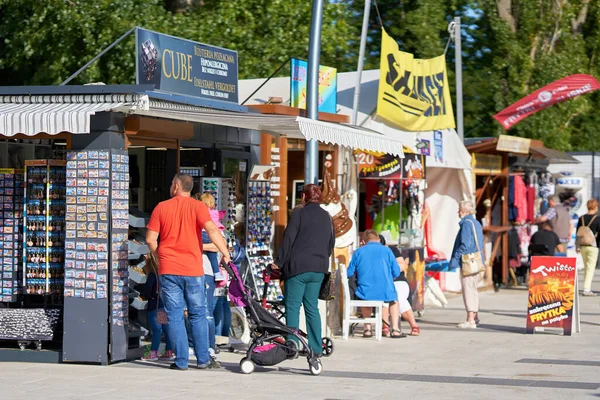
x,y
157,331
210,294
212,256
177,291
222,316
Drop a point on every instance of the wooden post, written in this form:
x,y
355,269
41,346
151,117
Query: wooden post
x,y
282,216
505,175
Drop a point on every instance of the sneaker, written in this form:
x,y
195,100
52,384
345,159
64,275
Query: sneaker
x,y
167,355
467,325
589,293
219,277
175,367
152,356
191,352
212,364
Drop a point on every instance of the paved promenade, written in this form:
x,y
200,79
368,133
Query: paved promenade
x,y
497,361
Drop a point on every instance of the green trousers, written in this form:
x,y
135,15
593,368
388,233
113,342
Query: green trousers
x,y
304,290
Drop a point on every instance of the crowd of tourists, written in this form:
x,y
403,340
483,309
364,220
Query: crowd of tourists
x,y
187,244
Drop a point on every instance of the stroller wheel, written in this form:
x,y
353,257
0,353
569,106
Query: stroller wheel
x,y
217,350
315,367
328,347
231,349
292,348
246,366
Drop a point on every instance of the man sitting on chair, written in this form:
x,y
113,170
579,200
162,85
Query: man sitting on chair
x,y
376,267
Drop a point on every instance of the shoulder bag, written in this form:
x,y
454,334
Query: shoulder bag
x,y
472,263
327,291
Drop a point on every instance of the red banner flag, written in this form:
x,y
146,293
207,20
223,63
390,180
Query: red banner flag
x,y
556,92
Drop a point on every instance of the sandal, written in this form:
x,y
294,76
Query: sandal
x,y
368,333
385,331
415,331
401,335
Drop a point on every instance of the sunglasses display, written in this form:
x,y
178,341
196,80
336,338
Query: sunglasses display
x,y
223,191
259,234
11,233
44,228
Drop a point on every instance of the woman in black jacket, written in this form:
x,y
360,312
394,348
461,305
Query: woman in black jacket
x,y
303,258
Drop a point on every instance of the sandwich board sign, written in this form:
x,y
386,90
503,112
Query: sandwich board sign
x,y
553,301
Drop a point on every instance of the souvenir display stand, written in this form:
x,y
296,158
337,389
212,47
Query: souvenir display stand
x,y
96,258
11,233
258,239
44,230
34,312
138,250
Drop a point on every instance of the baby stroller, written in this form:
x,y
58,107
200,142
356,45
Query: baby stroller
x,y
269,345
277,308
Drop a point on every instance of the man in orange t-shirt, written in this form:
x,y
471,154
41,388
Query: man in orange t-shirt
x,y
178,223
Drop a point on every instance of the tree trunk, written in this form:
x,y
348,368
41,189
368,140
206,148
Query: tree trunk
x,y
577,23
505,13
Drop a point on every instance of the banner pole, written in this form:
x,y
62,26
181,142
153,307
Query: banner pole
x,y
113,44
311,152
459,88
361,59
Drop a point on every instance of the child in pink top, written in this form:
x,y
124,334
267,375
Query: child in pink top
x,y
216,217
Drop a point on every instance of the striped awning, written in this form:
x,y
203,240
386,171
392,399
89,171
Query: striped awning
x,y
348,136
282,125
30,115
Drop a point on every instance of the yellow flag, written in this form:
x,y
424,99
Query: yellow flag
x,y
413,94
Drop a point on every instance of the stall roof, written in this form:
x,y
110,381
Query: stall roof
x,y
454,153
537,150
52,110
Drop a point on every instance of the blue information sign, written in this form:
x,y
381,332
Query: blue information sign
x,y
182,66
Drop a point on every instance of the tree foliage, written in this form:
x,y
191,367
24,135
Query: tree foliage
x,y
44,42
510,47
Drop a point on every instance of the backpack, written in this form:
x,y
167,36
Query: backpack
x,y
585,236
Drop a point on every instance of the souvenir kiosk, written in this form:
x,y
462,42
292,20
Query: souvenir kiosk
x,y
512,186
392,190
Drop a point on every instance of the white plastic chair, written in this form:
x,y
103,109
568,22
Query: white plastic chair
x,y
350,304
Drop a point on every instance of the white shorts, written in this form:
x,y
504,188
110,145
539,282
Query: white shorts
x,y
403,290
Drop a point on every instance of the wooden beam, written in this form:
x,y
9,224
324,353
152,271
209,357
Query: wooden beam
x,y
482,191
266,142
489,269
281,218
279,109
158,128
153,142
505,218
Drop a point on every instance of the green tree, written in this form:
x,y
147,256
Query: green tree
x,y
532,44
510,49
44,42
